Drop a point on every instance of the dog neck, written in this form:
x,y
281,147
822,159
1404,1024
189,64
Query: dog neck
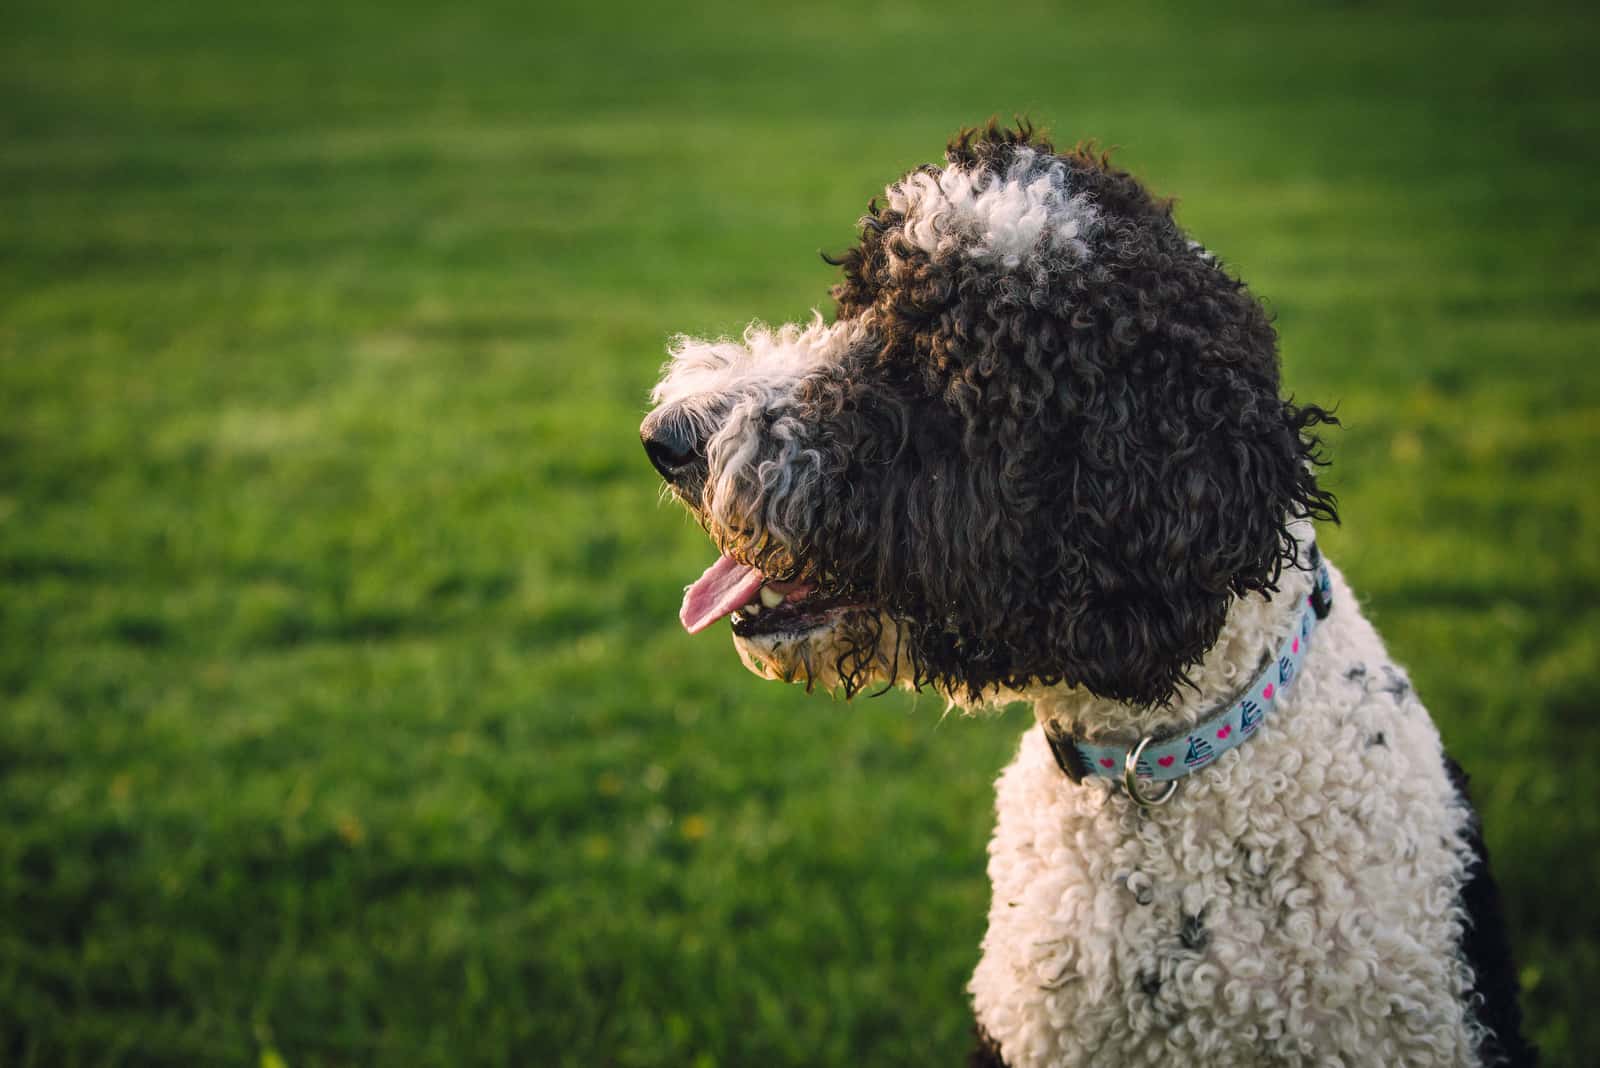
x,y
1254,628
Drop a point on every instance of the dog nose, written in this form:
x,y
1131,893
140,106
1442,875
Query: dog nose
x,y
670,442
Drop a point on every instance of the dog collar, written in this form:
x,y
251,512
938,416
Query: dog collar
x,y
1169,758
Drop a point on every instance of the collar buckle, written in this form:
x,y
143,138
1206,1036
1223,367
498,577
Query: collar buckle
x,y
1068,759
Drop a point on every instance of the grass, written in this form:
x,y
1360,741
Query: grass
x,y
345,718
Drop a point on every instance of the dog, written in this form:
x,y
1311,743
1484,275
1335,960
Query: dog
x,y
1040,454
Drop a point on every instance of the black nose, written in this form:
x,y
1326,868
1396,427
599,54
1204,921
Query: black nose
x,y
670,443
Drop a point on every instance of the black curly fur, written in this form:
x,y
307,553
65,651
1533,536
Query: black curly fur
x,y
985,1052
1487,948
1060,475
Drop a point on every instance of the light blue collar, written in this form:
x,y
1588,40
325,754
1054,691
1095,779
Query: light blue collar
x,y
1171,757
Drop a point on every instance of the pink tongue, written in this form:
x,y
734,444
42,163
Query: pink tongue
x,y
726,585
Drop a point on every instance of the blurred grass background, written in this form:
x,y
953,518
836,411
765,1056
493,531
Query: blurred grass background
x,y
345,715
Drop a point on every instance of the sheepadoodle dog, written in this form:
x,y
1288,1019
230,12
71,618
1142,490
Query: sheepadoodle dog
x,y
1041,454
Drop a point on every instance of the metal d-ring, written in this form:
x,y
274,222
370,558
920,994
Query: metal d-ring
x,y
1130,778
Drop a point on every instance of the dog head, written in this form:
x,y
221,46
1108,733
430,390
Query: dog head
x,y
1041,442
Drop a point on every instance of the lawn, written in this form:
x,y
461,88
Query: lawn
x,y
344,715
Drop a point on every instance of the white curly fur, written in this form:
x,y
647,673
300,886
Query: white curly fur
x,y
1006,218
1295,903
739,396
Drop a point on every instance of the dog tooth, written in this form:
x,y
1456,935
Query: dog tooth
x,y
752,609
771,597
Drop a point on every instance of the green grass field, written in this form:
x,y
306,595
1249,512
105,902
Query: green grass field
x,y
346,719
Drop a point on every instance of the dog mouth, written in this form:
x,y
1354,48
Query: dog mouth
x,y
756,604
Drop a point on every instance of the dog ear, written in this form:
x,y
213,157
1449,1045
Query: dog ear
x,y
1100,459
1195,510
1182,470
1128,469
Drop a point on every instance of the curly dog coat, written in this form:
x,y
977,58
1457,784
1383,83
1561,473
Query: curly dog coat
x,y
1040,454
